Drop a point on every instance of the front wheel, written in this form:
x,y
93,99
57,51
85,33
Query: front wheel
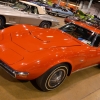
x,y
45,24
53,77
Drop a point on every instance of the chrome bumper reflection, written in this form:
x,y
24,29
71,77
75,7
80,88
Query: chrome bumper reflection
x,y
7,68
13,72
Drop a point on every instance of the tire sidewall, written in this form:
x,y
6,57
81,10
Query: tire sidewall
x,y
46,77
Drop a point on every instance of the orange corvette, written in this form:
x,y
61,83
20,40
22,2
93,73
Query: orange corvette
x,y
48,55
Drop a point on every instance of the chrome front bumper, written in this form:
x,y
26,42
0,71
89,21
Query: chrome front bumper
x,y
12,72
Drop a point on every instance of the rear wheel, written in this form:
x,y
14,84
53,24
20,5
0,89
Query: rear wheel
x,y
53,77
2,22
45,24
56,14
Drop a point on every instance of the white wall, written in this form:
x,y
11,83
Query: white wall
x,y
94,10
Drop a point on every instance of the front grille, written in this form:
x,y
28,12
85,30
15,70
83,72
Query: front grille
x,y
7,68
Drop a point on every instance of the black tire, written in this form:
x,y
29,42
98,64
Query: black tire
x,y
53,77
45,24
2,22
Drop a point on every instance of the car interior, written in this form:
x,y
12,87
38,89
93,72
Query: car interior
x,y
34,10
82,34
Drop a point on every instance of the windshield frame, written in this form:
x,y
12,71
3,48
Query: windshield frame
x,y
27,9
92,36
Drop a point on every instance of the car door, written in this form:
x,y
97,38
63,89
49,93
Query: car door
x,y
61,12
68,12
14,17
93,52
31,16
84,56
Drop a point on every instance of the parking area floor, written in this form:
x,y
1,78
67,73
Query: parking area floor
x,y
82,85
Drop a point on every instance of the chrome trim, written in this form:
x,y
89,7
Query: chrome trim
x,y
11,71
7,69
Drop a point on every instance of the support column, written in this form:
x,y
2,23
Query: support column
x,y
90,3
81,5
67,2
59,2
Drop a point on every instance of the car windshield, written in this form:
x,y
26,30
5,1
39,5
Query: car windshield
x,y
20,6
24,7
80,33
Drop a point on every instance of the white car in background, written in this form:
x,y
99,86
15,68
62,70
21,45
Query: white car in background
x,y
24,12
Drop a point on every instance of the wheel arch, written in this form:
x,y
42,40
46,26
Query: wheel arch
x,y
69,67
3,18
37,73
46,21
43,80
47,62
67,63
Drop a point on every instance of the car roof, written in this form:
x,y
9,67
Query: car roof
x,y
87,26
41,9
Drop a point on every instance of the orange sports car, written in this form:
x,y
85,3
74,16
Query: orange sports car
x,y
48,55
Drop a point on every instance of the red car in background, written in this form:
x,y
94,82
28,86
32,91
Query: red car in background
x,y
71,19
48,55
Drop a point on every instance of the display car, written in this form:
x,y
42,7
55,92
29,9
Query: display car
x,y
48,55
59,11
94,21
24,12
45,5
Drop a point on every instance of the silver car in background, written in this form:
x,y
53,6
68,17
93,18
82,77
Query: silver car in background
x,y
24,12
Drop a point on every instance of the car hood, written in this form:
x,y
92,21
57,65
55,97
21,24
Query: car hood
x,y
18,44
8,10
5,7
42,39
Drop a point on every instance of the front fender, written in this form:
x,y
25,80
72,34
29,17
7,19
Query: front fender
x,y
50,59
40,62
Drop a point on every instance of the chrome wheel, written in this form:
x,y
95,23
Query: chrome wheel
x,y
56,78
45,26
